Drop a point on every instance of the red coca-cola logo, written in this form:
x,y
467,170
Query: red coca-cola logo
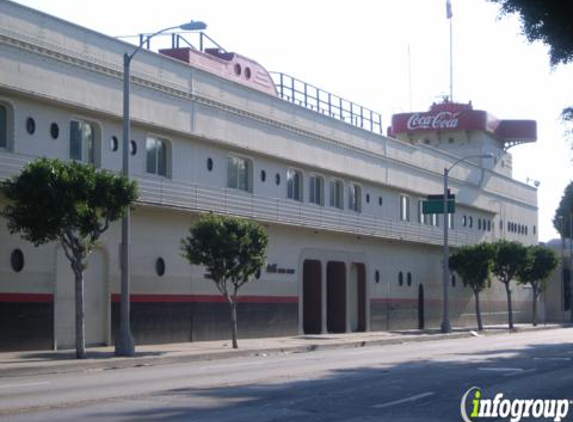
x,y
442,120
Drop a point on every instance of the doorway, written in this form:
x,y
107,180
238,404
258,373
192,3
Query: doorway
x,y
311,297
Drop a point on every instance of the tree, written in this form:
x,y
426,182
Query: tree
x,y
509,258
563,215
548,21
541,262
473,263
231,249
69,202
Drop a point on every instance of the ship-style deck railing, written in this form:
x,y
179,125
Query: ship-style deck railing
x,y
306,95
200,198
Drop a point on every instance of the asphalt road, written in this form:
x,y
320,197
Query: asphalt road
x,y
422,381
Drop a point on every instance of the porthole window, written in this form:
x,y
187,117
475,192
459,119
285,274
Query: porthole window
x,y
380,200
263,176
464,221
237,69
248,72
400,279
377,276
54,131
133,147
160,266
113,143
30,125
409,279
209,164
471,221
367,198
277,179
17,260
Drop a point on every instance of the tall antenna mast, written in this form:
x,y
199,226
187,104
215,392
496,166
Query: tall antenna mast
x,y
449,16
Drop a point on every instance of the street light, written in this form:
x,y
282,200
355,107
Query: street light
x,y
446,326
124,345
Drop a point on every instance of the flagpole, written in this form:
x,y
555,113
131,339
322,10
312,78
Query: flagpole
x,y
451,62
449,16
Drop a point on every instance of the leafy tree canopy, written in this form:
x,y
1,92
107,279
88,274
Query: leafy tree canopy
x,y
548,21
563,215
541,262
230,248
51,198
473,263
509,258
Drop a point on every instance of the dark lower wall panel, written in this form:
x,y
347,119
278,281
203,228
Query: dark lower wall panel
x,y
182,322
26,326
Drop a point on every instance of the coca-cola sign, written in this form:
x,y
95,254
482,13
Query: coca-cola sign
x,y
441,120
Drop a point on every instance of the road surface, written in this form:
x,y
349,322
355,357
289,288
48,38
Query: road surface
x,y
416,381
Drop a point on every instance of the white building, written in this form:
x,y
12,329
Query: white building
x,y
349,248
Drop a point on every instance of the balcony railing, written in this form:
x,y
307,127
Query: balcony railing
x,y
306,95
194,197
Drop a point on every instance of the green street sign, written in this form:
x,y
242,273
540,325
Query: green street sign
x,y
437,206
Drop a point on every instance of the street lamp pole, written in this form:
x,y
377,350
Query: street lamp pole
x,y
124,344
446,326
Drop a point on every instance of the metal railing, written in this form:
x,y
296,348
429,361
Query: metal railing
x,y
323,102
194,197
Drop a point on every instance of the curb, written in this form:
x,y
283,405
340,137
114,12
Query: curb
x,y
67,366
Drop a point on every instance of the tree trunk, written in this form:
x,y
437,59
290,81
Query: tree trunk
x,y
478,311
509,311
233,304
80,317
535,295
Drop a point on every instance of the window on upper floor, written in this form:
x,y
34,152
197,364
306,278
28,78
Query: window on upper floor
x,y
337,194
294,184
239,174
404,208
316,190
157,156
3,126
82,141
355,197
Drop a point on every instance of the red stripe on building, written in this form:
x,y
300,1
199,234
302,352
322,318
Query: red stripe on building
x,y
152,298
27,297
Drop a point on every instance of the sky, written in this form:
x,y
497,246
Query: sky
x,y
388,55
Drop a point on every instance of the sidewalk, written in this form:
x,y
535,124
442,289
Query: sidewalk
x,y
31,363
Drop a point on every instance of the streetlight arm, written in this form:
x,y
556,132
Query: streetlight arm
x,y
469,156
191,25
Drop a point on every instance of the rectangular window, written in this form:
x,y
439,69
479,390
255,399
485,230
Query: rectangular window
x,y
239,174
336,194
294,184
355,198
3,127
404,208
156,156
82,141
421,216
316,190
